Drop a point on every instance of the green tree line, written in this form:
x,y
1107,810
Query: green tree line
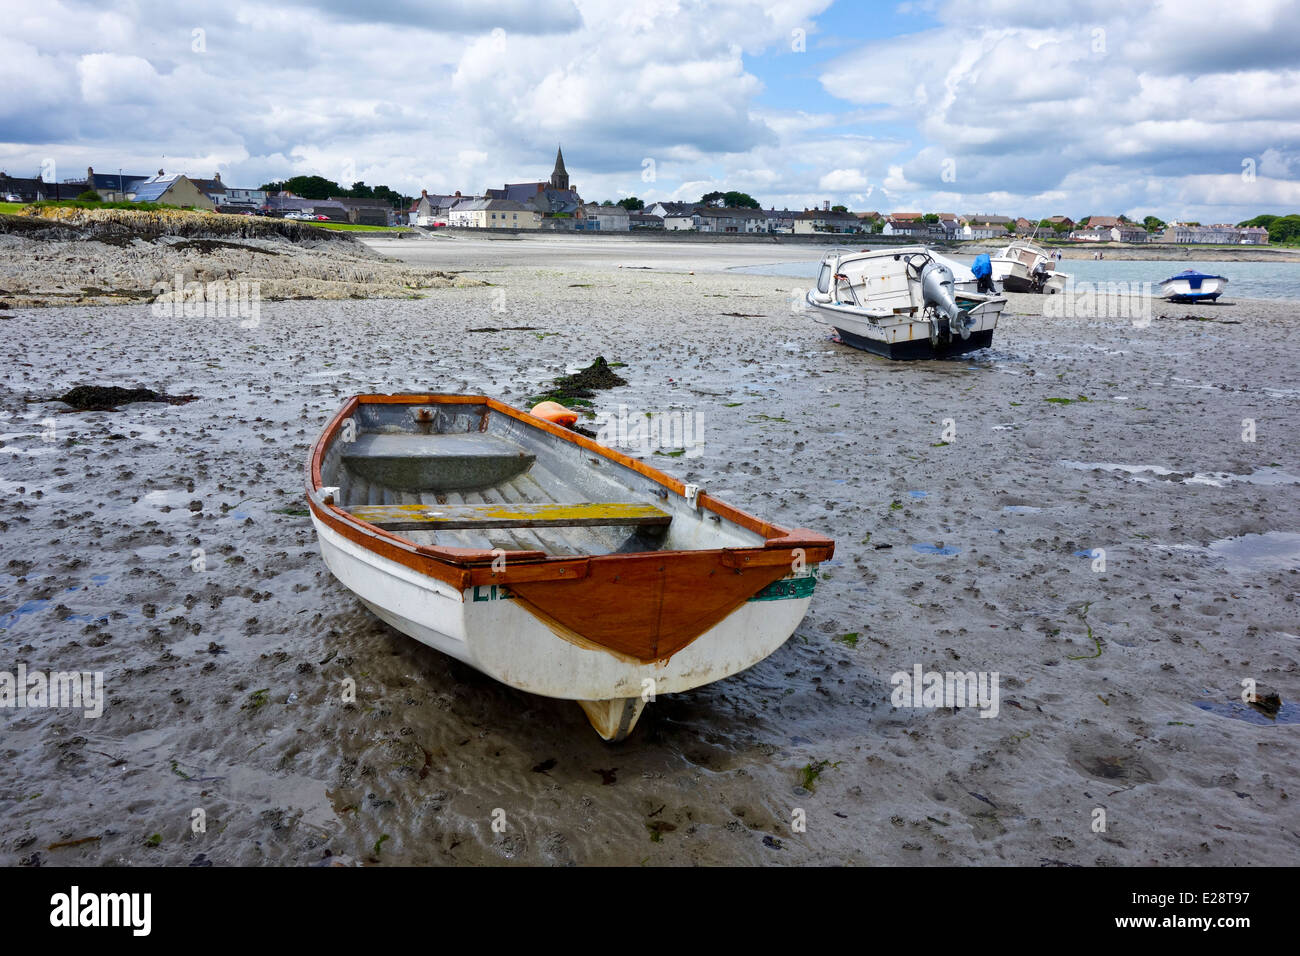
x,y
318,187
1280,228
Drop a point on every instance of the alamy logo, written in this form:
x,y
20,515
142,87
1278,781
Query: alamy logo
x,y
219,299
934,689
78,690
103,909
1101,300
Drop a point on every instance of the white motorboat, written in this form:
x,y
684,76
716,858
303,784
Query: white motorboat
x,y
1192,286
1022,266
902,303
547,561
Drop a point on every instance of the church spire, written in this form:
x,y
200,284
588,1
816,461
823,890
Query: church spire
x,y
560,175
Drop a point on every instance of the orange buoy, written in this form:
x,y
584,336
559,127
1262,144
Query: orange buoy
x,y
555,412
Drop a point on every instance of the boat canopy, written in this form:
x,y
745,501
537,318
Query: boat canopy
x,y
1194,278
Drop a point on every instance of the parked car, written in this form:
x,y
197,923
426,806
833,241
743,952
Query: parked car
x,y
322,218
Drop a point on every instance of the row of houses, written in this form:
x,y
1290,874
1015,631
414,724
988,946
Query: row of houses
x,y
1091,229
555,204
944,225
177,189
699,217
488,212
1109,229
950,226
1182,234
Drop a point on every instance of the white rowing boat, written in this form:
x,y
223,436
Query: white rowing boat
x,y
545,560
1193,286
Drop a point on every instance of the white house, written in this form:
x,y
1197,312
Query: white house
x,y
914,228
780,221
493,214
433,208
250,198
666,209
1129,232
986,227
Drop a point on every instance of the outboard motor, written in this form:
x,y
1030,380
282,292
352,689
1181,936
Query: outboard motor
x,y
938,290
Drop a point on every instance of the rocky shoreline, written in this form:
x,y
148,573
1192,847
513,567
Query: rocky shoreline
x,y
70,256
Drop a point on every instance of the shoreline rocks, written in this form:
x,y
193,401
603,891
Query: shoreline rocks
x,y
70,256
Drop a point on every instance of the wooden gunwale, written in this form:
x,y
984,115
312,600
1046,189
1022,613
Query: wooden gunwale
x,y
465,567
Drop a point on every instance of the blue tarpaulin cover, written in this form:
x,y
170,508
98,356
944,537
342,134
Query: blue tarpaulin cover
x,y
982,266
1193,277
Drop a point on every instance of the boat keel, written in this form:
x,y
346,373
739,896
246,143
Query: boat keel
x,y
918,348
613,719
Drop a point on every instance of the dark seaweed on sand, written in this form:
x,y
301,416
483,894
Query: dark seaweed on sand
x,y
580,387
106,398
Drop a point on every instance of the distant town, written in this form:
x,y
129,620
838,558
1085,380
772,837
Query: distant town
x,y
554,204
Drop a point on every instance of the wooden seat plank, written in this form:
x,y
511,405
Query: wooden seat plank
x,y
509,515
416,463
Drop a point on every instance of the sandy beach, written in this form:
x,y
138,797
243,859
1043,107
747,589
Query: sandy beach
x,y
1120,688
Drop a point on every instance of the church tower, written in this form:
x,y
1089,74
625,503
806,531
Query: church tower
x,y
560,175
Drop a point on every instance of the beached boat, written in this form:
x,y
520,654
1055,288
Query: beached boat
x,y
1022,266
1192,286
902,303
545,560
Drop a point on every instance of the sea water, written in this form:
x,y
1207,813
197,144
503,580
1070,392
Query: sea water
x,y
1247,280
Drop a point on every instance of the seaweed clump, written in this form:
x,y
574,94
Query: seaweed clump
x,y
106,398
580,387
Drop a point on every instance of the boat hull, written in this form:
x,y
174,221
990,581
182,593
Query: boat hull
x,y
545,560
1017,283
488,628
917,348
1207,289
907,337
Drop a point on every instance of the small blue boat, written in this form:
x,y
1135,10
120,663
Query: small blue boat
x,y
1192,286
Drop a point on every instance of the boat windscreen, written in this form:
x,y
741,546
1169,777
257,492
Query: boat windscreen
x,y
824,278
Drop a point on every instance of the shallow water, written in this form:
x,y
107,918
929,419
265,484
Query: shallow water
x,y
1246,280
1271,551
1288,713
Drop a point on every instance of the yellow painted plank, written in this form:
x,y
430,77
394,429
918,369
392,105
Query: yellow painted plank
x,y
509,515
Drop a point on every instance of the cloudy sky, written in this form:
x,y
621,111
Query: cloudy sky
x,y
1182,109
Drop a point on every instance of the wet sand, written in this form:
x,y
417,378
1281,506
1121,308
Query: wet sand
x,y
224,684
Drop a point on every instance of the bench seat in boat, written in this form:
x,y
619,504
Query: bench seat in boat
x,y
405,461
510,515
